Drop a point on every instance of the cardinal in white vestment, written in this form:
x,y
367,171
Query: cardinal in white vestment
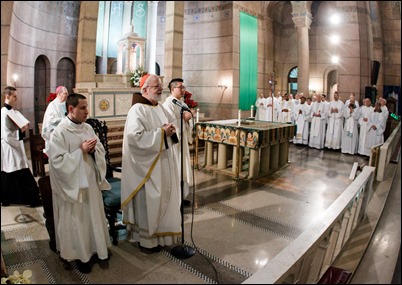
x,y
77,169
55,112
150,172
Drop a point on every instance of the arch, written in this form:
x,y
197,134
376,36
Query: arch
x,y
292,80
41,88
66,73
330,80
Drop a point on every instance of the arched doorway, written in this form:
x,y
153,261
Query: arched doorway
x,y
292,81
41,89
66,74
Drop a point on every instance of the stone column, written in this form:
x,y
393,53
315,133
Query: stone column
x,y
174,40
127,28
86,44
302,19
103,67
152,20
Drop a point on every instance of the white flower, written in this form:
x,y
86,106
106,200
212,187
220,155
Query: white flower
x,y
17,278
137,74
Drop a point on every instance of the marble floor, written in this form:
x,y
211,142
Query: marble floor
x,y
238,226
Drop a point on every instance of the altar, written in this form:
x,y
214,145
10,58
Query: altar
x,y
263,146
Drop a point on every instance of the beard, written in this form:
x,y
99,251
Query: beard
x,y
156,97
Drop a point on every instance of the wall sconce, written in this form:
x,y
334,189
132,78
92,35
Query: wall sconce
x,y
223,86
15,78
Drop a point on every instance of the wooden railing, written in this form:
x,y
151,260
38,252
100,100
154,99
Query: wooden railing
x,y
307,258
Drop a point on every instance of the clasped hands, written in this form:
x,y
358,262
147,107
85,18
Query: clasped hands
x,y
89,145
169,129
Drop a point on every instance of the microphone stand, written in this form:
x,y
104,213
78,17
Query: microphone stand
x,y
182,251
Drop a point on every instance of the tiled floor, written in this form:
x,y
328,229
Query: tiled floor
x,y
239,226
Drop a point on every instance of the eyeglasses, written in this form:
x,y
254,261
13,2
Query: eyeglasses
x,y
156,86
181,87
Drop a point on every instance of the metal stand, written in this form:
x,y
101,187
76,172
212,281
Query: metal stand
x,y
182,251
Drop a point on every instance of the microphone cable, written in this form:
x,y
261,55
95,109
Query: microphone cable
x,y
194,132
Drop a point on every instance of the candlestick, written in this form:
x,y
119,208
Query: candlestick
x,y
198,115
251,111
239,119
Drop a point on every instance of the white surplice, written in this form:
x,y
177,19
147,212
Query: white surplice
x,y
77,179
350,133
55,112
375,137
301,115
13,156
285,117
261,105
335,125
174,110
317,129
150,177
365,113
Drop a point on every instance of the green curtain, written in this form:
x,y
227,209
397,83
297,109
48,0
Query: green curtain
x,y
248,61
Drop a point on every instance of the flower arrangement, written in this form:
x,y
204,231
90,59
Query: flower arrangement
x,y
187,99
137,74
51,97
17,278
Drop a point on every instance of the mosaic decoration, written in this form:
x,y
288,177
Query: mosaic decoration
x,y
255,134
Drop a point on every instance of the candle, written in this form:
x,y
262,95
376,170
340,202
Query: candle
x,y
251,111
239,119
198,115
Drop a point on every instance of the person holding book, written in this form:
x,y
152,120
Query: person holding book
x,y
18,186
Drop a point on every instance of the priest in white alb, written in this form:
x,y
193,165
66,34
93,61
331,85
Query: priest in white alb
x,y
318,118
335,123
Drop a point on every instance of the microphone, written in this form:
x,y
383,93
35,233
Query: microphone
x,y
178,103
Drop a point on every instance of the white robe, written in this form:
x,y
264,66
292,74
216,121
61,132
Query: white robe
x,y
77,179
174,110
272,111
375,137
317,129
261,105
335,125
302,123
285,117
55,112
150,178
365,113
13,156
350,133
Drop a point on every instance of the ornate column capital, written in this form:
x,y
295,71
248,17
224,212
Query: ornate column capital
x,y
302,19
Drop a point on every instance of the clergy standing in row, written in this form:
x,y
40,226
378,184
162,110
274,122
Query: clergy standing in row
x,y
350,133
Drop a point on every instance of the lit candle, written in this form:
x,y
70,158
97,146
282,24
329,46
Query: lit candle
x,y
251,111
238,121
198,115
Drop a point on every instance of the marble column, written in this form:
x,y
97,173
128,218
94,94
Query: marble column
x,y
302,19
86,44
103,66
173,65
152,21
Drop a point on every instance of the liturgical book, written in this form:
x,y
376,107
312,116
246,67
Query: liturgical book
x,y
18,118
